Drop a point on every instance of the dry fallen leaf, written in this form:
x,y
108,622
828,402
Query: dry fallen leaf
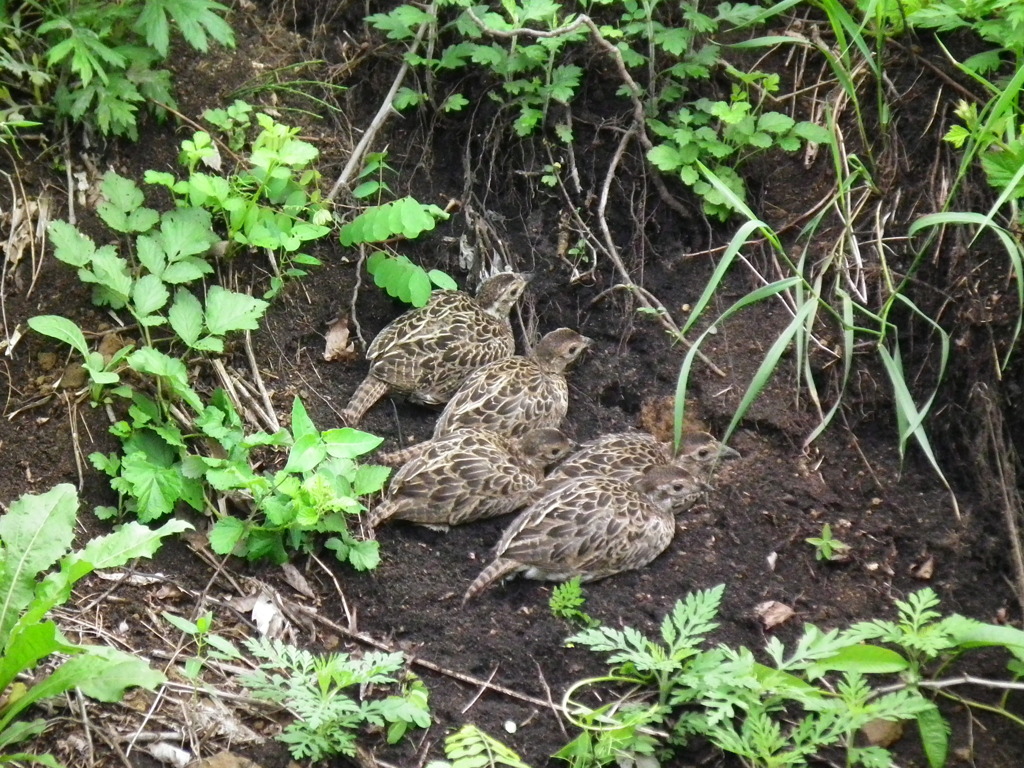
x,y
339,344
297,581
267,616
772,613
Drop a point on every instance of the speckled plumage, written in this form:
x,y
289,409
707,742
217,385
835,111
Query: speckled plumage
x,y
514,395
427,353
469,475
593,527
628,455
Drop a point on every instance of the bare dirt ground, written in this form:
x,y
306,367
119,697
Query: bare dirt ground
x,y
750,535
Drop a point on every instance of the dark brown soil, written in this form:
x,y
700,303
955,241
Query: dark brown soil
x,y
750,535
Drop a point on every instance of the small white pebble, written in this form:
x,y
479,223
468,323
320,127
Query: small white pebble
x,y
510,726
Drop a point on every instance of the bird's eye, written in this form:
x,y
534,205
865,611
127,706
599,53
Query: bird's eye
x,y
705,453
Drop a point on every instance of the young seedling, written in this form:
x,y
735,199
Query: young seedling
x,y
567,601
826,547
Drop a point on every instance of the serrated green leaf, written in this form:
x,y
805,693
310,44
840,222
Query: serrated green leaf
x,y
813,133
225,535
129,542
105,673
228,311
934,732
665,157
110,272
149,295
156,363
369,478
70,245
364,555
186,316
775,122
36,531
156,489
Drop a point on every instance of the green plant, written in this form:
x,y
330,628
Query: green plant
x,y
664,49
271,200
403,219
404,280
814,695
36,535
199,631
817,296
567,602
315,689
162,252
315,492
176,447
469,747
101,372
723,134
828,548
97,61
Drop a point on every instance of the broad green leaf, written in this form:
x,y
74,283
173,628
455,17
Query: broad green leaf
x,y
306,453
302,425
110,551
970,633
156,489
364,555
180,623
813,132
122,209
775,122
70,245
934,732
36,532
347,443
111,275
62,329
225,535
229,311
442,280
186,316
26,647
369,478
150,255
186,271
129,542
865,659
185,232
149,295
665,157
171,369
119,672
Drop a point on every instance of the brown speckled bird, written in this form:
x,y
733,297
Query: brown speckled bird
x,y
509,396
514,395
427,353
628,455
593,527
469,475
